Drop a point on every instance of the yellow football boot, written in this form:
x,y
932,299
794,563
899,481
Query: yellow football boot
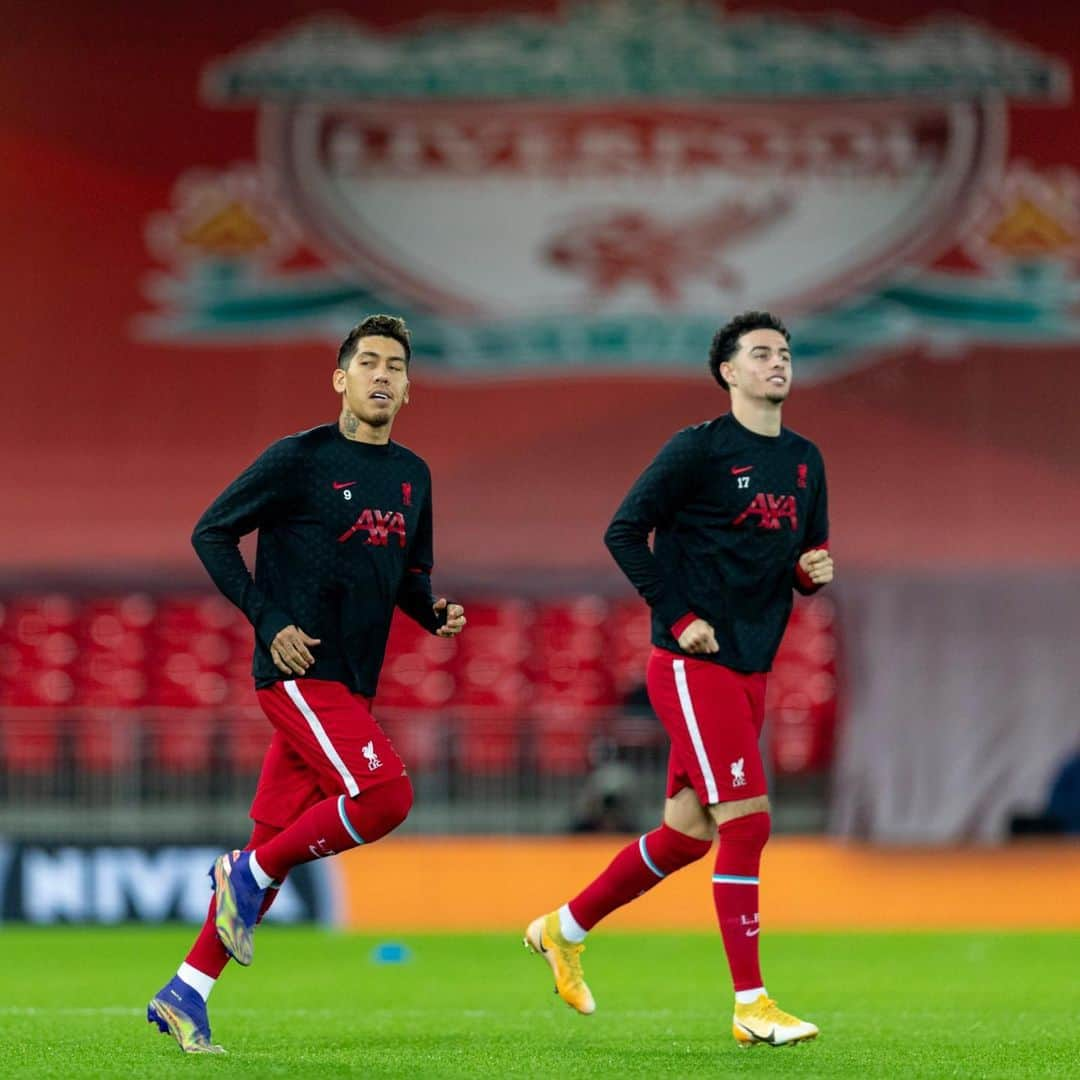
x,y
763,1022
545,938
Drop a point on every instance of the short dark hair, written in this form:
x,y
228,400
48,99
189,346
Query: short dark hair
x,y
391,326
725,342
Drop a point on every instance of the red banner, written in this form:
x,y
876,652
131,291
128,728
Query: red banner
x,y
200,201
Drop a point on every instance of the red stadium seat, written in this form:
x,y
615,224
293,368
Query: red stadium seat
x,y
182,681
30,620
38,651
418,735
801,703
105,740
104,620
30,739
563,734
40,687
488,740
418,670
528,683
104,679
574,628
629,638
181,740
246,733
569,660
491,654
498,628
182,614
488,681
240,685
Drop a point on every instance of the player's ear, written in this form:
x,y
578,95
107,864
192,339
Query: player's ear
x,y
338,379
727,369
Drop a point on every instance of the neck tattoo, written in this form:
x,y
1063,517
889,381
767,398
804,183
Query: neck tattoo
x,y
349,424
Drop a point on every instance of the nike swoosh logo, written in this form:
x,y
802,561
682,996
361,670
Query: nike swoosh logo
x,y
753,933
770,1038
348,483
739,470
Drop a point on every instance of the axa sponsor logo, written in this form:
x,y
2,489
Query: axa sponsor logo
x,y
379,525
771,511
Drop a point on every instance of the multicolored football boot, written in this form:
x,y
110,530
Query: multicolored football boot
x,y
179,1011
239,901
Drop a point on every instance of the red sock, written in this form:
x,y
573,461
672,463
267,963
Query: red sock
x,y
635,870
207,954
735,893
337,824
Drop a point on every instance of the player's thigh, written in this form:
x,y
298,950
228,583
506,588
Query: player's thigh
x,y
684,813
713,717
333,732
729,811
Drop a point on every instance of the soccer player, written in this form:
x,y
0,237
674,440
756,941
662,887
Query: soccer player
x,y
738,506
345,536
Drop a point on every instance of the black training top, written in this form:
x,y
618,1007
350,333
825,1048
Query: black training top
x,y
733,511
344,535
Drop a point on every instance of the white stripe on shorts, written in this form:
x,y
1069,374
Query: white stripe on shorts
x,y
695,733
351,786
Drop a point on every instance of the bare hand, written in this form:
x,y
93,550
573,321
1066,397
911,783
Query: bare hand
x,y
817,565
698,637
290,651
455,618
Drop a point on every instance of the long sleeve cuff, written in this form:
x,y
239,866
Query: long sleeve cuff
x,y
803,583
681,624
270,624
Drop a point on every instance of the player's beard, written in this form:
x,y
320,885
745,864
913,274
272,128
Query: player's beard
x,y
376,417
776,399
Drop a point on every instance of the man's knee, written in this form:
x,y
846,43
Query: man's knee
x,y
750,831
380,810
667,849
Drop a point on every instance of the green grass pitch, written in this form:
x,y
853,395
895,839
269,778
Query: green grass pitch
x,y
72,1003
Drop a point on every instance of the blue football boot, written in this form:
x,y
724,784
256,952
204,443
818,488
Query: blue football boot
x,y
239,901
179,1011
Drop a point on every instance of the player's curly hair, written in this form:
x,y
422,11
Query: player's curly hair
x,y
725,342
391,326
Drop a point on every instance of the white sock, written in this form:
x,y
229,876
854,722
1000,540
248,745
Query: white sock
x,y
748,997
262,878
571,929
198,980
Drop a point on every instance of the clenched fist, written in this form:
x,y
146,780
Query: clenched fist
x,y
817,565
698,637
455,618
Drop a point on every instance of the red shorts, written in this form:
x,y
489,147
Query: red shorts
x,y
713,716
326,742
